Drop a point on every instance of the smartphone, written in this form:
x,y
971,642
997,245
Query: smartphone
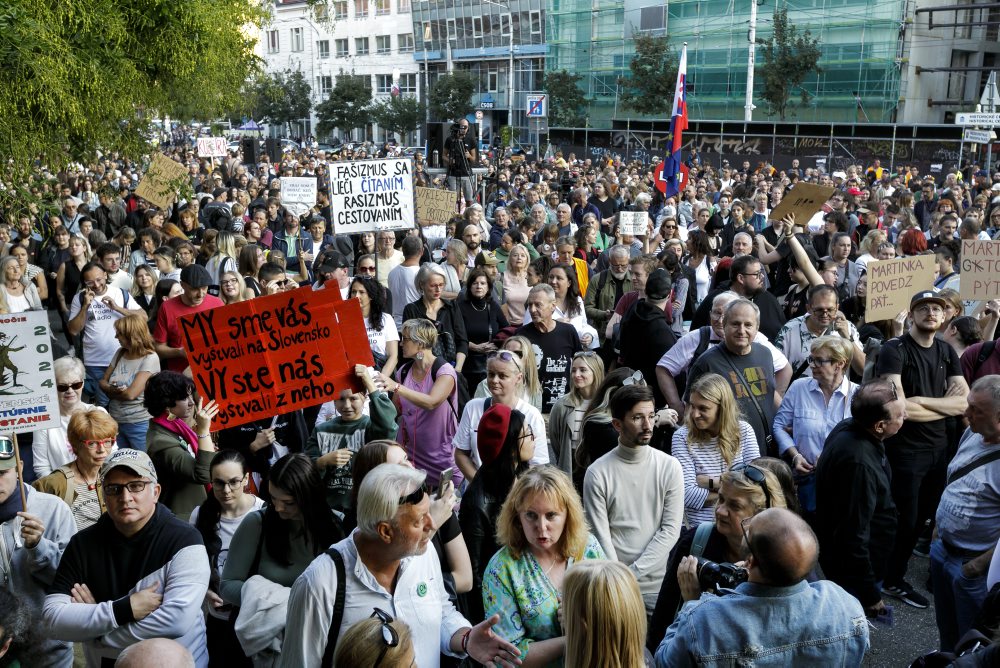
x,y
446,477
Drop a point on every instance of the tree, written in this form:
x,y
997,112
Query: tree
x,y
649,87
399,114
451,95
788,59
282,98
565,98
348,106
88,75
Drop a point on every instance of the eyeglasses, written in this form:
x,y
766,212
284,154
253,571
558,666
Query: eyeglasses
x,y
746,536
759,273
818,361
231,281
585,353
66,387
823,311
754,475
414,497
389,635
232,483
282,283
6,448
929,308
366,270
134,487
106,442
505,356
635,379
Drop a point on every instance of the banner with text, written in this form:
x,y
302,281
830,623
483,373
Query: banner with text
x,y
804,200
372,195
891,284
434,206
159,185
276,354
29,400
980,270
298,193
212,147
633,222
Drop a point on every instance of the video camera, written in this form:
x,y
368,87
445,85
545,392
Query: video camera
x,y
712,576
456,130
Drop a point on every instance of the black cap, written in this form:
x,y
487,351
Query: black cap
x,y
217,192
658,285
196,276
332,261
927,296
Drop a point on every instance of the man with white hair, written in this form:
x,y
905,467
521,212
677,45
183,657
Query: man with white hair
x,y
385,564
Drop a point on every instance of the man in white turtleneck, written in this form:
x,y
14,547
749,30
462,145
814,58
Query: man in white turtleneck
x,y
634,495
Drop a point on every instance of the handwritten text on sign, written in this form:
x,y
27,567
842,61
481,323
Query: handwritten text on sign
x,y
276,354
633,222
298,193
891,284
159,185
804,200
212,147
28,399
980,270
435,206
371,195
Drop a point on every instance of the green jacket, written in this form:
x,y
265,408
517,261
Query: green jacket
x,y
600,299
182,477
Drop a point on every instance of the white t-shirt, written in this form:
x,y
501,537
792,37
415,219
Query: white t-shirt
x,y
376,338
467,438
99,342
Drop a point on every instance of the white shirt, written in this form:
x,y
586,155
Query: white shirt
x,y
678,359
99,342
467,438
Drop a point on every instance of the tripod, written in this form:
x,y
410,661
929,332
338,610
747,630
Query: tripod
x,y
462,165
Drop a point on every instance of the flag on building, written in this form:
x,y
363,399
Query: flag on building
x,y
672,174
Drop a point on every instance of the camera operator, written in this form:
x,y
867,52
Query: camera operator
x,y
460,155
824,624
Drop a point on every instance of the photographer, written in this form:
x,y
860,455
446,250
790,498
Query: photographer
x,y
823,624
460,155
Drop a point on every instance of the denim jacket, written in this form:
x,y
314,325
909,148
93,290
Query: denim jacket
x,y
806,624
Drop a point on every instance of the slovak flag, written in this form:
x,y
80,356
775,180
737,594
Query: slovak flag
x,y
672,174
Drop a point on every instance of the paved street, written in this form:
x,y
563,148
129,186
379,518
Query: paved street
x,y
914,632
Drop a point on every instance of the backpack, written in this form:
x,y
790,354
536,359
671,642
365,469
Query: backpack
x,y
984,354
462,396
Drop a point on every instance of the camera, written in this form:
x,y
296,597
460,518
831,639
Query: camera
x,y
456,130
713,576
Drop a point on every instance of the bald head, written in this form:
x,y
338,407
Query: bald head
x,y
783,546
155,653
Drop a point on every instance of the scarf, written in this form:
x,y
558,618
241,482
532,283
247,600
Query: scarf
x,y
11,507
181,428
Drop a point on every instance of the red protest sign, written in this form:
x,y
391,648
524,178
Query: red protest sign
x,y
275,354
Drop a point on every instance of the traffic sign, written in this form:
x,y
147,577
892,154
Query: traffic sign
x,y
974,118
538,106
976,136
479,115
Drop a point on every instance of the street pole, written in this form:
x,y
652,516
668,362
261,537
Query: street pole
x,y
512,84
751,60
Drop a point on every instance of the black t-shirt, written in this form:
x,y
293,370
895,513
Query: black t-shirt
x,y
608,207
924,373
455,153
554,355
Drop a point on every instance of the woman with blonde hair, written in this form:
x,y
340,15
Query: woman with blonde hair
x,y
711,441
224,259
566,418
531,388
378,641
456,266
604,617
515,284
869,247
125,379
232,288
543,532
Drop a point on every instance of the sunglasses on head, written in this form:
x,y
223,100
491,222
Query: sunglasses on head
x,y
416,496
389,635
635,379
756,476
66,387
505,356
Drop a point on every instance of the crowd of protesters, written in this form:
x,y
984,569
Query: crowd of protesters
x,y
578,445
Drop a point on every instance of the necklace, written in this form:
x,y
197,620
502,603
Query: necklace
x,y
476,307
91,486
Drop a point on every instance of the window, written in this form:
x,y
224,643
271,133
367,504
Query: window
x,y
382,7
428,32
325,85
505,25
297,42
405,41
452,34
383,44
536,23
492,81
272,41
408,83
361,46
477,27
403,7
323,47
340,9
651,18
342,48
360,9
383,83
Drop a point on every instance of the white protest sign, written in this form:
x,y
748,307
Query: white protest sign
x,y
298,193
212,147
28,397
371,195
633,222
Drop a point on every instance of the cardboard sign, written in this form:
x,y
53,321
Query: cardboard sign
x,y
371,195
158,185
804,200
435,206
635,223
29,400
980,271
275,354
891,284
212,147
298,193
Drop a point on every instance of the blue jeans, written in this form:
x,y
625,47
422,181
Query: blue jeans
x,y
957,599
92,385
133,435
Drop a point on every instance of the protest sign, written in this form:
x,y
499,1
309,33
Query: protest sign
x,y
298,193
159,185
980,270
633,222
804,200
212,147
371,195
276,354
434,206
28,397
891,284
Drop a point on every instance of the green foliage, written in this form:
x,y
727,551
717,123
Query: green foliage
x,y
451,95
566,100
281,98
399,114
348,106
87,75
788,59
649,87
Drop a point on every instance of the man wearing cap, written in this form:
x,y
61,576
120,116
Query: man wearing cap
x,y
138,573
332,272
645,333
488,261
927,374
32,541
167,336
